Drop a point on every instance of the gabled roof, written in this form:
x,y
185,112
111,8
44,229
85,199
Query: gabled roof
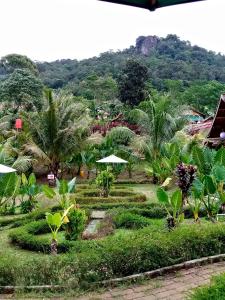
x,y
150,4
218,124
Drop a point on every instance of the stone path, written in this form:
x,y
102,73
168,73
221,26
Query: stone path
x,y
176,286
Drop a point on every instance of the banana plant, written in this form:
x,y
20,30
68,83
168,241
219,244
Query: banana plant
x,y
62,191
172,205
9,187
55,221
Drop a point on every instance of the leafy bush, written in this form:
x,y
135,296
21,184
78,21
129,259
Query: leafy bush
x,y
113,193
136,197
26,206
76,224
26,237
119,255
131,221
104,181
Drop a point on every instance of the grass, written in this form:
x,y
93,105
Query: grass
x,y
214,291
148,189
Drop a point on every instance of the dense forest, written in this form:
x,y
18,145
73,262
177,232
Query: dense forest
x,y
190,74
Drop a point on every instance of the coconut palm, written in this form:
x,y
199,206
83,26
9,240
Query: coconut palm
x,y
58,132
159,122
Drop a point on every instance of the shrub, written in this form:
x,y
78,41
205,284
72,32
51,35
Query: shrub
x,y
120,255
26,206
104,181
26,238
131,221
115,196
76,225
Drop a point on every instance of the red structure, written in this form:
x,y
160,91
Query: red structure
x,y
18,124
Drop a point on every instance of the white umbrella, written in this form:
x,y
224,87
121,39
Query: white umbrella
x,y
5,169
112,159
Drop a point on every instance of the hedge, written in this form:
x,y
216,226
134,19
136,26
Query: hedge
x,y
16,221
119,255
130,221
26,238
113,193
136,197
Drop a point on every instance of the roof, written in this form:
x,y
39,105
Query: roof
x,y
150,4
218,124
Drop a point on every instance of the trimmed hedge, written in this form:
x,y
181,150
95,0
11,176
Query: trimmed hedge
x,y
120,255
20,220
136,197
113,193
130,221
145,209
25,237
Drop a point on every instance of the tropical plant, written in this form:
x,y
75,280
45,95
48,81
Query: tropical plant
x,y
28,189
171,203
159,123
55,222
104,181
76,224
185,177
205,191
62,192
57,132
9,187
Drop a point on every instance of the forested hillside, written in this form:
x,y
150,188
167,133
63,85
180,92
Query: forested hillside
x,y
166,58
189,74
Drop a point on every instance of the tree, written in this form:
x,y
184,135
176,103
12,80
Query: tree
x,y
203,95
57,132
159,122
23,90
131,83
95,88
11,62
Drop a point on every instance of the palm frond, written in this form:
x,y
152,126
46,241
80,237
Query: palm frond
x,y
22,163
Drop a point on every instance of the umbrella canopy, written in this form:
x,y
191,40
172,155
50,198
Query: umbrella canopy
x,y
151,4
112,159
5,169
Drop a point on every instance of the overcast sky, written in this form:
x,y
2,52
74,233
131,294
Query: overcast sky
x,y
46,30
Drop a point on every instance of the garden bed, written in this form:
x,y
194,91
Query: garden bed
x,y
120,255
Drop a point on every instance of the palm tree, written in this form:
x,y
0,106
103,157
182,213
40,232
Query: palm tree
x,y
159,123
58,132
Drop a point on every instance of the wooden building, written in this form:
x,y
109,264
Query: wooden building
x,y
216,135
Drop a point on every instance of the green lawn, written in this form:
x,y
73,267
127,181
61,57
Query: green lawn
x,y
148,189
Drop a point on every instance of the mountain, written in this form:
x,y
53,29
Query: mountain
x,y
166,58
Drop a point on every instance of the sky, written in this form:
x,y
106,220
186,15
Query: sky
x,y
47,30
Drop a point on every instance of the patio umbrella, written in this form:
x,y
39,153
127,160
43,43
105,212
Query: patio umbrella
x,y
4,169
150,4
112,159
